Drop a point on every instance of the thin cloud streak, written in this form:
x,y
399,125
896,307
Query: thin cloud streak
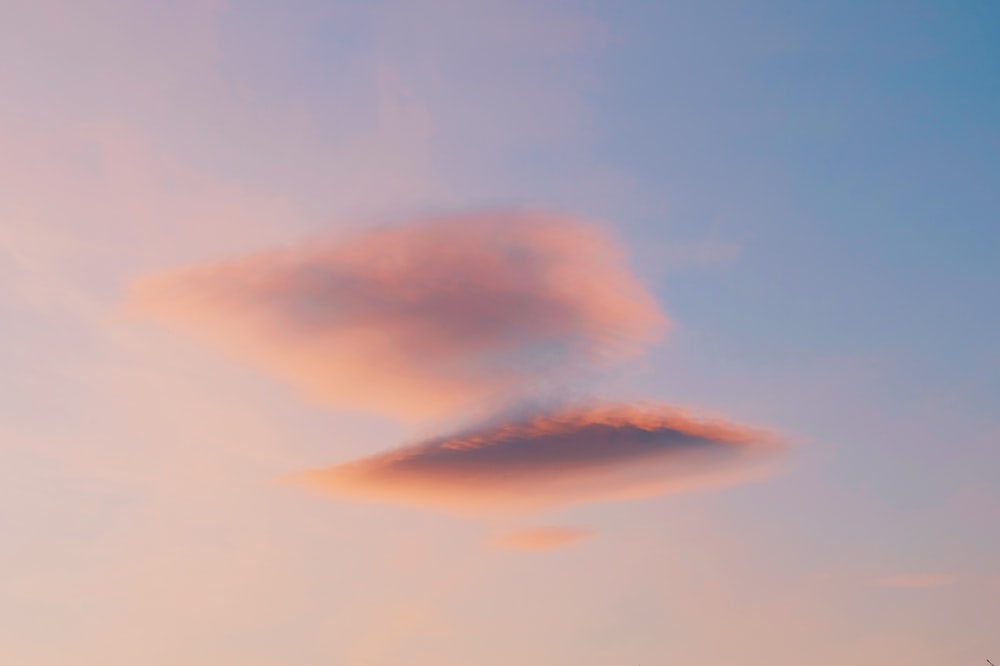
x,y
543,538
567,456
420,320
916,581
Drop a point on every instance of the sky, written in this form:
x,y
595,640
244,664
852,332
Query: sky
x,y
450,332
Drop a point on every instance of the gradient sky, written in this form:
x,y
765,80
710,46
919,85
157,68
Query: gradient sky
x,y
810,190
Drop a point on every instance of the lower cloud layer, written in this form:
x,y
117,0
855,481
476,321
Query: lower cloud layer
x,y
566,456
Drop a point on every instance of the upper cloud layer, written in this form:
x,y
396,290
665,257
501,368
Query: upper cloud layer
x,y
422,319
568,456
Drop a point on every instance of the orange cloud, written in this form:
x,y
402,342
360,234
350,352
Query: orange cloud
x,y
543,538
568,456
916,581
423,319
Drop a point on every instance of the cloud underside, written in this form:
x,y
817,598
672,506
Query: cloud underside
x,y
569,456
420,320
542,538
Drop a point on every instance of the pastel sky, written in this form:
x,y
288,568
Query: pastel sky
x,y
446,332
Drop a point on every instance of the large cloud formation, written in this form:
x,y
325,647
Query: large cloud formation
x,y
424,319
565,456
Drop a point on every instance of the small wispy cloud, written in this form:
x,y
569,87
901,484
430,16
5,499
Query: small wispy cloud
x,y
543,538
563,456
659,258
422,319
683,255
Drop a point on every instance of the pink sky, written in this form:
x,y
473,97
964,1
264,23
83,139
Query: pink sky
x,y
170,173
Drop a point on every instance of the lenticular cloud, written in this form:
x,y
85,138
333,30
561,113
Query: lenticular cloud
x,y
423,319
568,456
